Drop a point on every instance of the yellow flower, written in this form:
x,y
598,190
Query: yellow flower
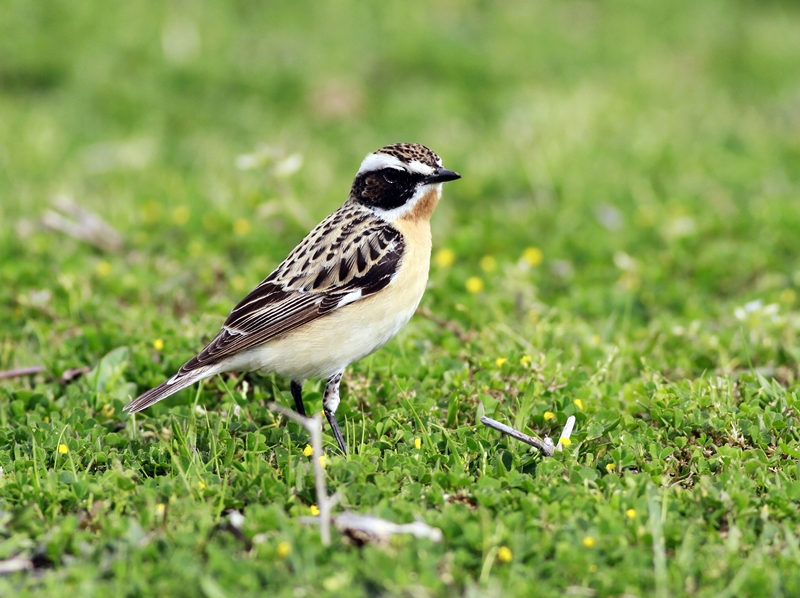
x,y
565,441
533,256
180,215
158,344
588,541
578,404
418,443
445,258
107,410
788,296
63,449
525,360
241,227
488,263
610,467
201,484
630,513
103,268
592,568
314,510
548,415
284,549
161,508
323,461
500,361
308,451
504,554
474,284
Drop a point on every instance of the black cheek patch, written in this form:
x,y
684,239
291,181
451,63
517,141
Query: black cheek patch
x,y
372,189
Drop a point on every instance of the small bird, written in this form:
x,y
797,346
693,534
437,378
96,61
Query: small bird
x,y
345,291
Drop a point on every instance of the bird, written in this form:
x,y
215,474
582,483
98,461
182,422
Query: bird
x,y
344,292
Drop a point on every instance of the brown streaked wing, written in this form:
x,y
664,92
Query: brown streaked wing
x,y
289,297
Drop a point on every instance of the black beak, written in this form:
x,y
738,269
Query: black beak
x,y
442,175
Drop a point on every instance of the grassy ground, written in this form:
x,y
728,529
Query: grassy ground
x,y
623,247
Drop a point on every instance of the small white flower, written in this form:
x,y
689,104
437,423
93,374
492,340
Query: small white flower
x,y
753,306
288,166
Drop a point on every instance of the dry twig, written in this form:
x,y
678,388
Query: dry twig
x,y
22,372
368,527
78,222
15,564
547,447
72,373
349,523
325,504
383,529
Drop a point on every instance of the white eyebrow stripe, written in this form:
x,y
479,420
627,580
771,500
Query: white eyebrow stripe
x,y
420,168
378,162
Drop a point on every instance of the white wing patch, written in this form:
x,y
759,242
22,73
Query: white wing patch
x,y
350,298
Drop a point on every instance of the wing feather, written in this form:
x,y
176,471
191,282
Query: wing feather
x,y
350,255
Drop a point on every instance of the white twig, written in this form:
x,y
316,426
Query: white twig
x,y
546,446
30,371
80,223
382,529
655,514
15,564
567,431
324,503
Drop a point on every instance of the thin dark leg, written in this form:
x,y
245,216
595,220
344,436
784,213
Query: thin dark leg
x,y
337,433
330,402
297,393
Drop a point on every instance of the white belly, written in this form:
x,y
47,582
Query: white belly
x,y
328,345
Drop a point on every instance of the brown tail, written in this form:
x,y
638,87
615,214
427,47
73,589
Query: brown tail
x,y
165,389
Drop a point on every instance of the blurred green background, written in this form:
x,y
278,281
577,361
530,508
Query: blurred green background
x,y
665,131
628,216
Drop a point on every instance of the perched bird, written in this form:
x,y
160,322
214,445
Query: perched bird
x,y
342,293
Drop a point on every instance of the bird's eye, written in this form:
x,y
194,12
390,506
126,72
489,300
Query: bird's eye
x,y
390,176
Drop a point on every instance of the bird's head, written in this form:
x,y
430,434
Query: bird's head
x,y
393,180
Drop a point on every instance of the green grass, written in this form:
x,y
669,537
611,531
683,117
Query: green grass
x,y
650,150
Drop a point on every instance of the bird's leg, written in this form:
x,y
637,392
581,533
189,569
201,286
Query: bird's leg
x,y
297,394
330,401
